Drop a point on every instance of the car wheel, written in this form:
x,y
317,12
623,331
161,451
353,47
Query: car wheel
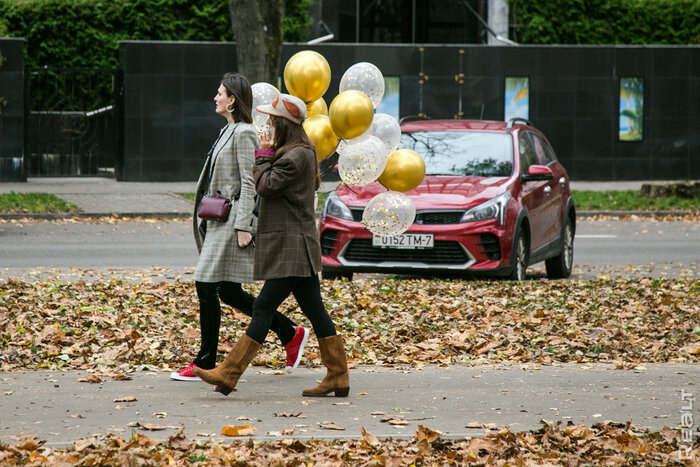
x,y
519,257
559,267
331,276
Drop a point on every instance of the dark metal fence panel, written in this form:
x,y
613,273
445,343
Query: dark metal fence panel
x,y
12,110
73,121
574,98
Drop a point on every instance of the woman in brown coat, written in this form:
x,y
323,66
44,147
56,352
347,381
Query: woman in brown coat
x,y
226,248
288,254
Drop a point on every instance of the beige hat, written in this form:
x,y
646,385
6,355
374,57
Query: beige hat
x,y
285,106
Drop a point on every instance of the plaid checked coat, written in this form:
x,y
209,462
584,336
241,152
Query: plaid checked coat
x,y
220,257
287,239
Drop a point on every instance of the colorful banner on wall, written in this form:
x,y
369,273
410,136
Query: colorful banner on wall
x,y
517,103
390,102
631,109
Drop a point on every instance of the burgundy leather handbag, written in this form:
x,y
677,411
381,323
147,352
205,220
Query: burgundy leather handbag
x,y
214,208
217,207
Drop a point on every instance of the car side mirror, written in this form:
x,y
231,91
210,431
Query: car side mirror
x,y
537,173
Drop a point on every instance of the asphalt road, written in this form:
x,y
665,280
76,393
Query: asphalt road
x,y
166,249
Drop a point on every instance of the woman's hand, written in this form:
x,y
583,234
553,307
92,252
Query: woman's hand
x,y
265,139
244,238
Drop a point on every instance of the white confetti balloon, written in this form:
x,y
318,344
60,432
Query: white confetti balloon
x,y
364,77
389,213
362,160
263,94
387,129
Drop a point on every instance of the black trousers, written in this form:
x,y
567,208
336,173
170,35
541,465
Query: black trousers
x,y
232,294
307,292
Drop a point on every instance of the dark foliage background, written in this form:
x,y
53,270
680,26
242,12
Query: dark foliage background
x,y
602,22
84,33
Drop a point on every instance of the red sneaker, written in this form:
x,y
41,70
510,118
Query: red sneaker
x,y
295,347
185,375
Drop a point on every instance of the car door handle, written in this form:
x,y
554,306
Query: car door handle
x,y
548,189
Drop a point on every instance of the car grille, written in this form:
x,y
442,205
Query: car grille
x,y
328,239
491,246
423,218
444,252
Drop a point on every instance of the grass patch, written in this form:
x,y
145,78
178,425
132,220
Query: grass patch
x,y
322,195
629,200
189,196
34,203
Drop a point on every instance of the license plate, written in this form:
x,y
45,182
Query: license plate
x,y
407,240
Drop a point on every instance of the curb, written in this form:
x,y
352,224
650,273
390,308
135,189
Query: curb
x,y
632,213
96,215
177,215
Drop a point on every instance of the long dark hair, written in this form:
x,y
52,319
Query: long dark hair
x,y
238,86
289,135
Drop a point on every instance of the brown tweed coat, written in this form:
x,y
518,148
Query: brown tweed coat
x,y
287,239
220,258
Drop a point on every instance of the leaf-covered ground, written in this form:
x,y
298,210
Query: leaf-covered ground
x,y
115,326
602,444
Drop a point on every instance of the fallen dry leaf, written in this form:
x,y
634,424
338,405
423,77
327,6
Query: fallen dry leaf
x,y
150,427
155,325
395,421
84,443
331,426
427,434
369,437
287,414
125,399
93,379
238,430
606,443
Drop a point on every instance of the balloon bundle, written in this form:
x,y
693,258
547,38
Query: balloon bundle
x,y
366,142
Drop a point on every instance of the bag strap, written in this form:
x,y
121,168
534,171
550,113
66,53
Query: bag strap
x,y
211,158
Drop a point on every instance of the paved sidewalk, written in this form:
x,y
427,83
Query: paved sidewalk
x,y
105,196
97,197
458,401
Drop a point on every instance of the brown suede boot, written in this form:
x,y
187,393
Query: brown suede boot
x,y
226,375
337,379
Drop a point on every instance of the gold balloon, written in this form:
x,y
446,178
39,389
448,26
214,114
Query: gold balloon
x,y
318,129
307,75
404,170
317,107
351,114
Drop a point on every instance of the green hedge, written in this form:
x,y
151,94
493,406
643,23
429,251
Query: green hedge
x,y
77,33
671,22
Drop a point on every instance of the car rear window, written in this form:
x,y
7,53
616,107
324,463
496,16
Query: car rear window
x,y
466,153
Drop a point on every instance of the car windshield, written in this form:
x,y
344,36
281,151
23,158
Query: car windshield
x,y
467,153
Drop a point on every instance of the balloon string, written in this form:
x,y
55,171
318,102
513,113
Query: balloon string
x,y
350,188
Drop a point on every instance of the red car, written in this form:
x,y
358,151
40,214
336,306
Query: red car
x,y
494,200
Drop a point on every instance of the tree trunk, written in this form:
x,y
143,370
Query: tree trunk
x,y
257,28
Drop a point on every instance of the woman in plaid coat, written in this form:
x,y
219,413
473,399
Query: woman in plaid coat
x,y
226,249
288,255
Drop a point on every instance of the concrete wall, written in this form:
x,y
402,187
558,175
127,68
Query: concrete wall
x,y
574,99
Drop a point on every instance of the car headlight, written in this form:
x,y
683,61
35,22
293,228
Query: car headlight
x,y
336,208
492,209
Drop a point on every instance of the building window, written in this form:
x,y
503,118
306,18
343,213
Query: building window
x,y
412,21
